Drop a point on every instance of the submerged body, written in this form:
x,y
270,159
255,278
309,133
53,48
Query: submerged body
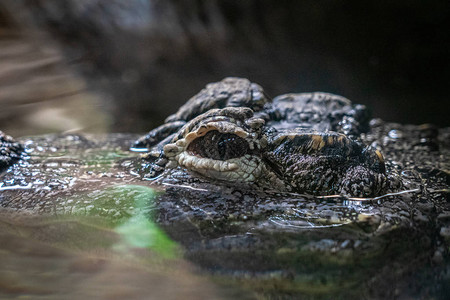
x,y
305,143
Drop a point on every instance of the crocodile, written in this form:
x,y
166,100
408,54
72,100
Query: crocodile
x,y
306,143
274,237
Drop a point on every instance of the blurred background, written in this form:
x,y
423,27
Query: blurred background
x,y
123,66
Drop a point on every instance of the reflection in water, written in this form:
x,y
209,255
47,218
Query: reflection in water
x,y
139,231
87,257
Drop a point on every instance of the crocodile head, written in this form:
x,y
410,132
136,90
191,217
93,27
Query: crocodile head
x,y
269,147
233,146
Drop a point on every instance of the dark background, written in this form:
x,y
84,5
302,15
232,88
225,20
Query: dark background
x,y
151,56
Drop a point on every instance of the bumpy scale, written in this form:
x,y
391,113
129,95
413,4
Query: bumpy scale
x,y
305,143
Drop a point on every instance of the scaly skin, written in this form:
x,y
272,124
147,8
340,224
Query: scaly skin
x,y
303,143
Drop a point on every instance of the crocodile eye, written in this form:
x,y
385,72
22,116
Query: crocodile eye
x,y
218,146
